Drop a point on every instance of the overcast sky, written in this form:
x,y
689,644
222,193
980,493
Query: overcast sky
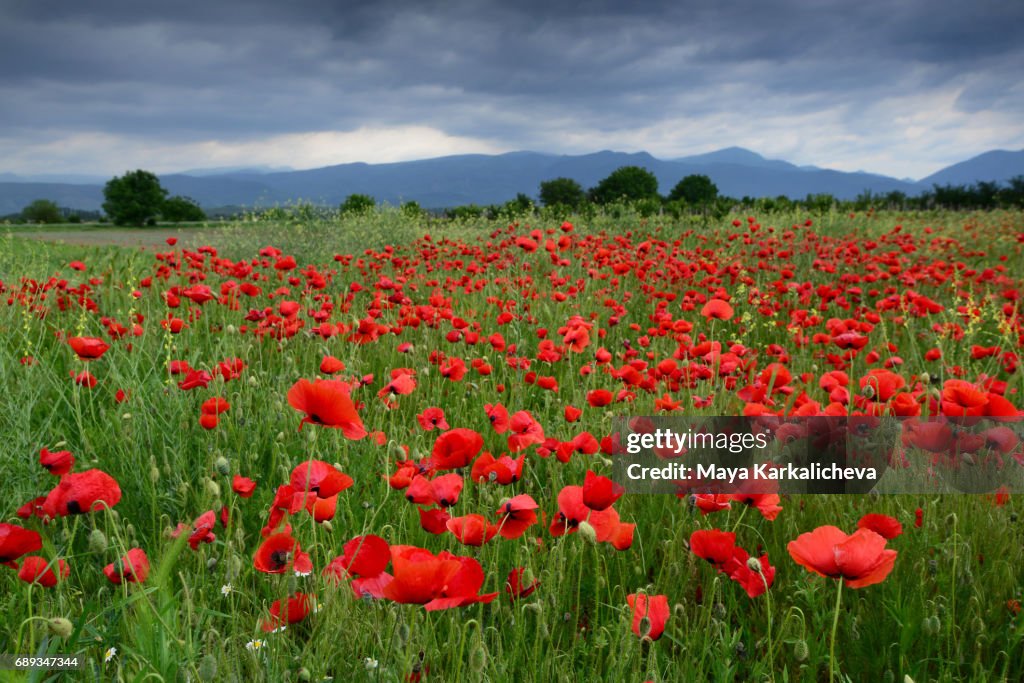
x,y
902,88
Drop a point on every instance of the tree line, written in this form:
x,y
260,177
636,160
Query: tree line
x,y
137,198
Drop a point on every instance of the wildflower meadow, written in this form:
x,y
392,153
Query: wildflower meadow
x,y
379,448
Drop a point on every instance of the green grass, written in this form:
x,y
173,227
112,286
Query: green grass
x,y
941,615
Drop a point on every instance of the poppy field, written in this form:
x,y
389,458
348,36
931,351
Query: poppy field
x,y
369,449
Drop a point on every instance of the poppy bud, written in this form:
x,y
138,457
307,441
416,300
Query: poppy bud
x,y
126,416
60,627
304,674
800,651
97,541
212,488
326,524
588,532
154,474
754,565
211,564
231,329
718,611
931,625
223,466
645,628
925,378
402,634
208,668
478,657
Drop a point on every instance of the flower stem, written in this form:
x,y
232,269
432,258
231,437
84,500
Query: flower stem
x,y
835,627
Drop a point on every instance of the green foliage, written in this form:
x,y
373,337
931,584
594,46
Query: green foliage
x,y
563,192
41,211
695,190
628,183
180,209
358,204
136,198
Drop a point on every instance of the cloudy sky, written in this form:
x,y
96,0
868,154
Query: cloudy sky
x,y
901,88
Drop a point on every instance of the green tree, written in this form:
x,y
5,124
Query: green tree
x,y
135,198
41,211
181,210
628,183
562,192
358,204
695,190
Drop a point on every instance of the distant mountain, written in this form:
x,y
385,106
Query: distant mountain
x,y
228,170
492,179
998,165
16,196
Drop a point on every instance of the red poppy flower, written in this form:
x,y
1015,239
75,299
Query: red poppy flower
x,y
516,588
433,418
600,493
717,309
82,492
243,486
503,470
516,516
498,416
84,379
650,612
214,406
434,521
327,403
472,529
58,463
456,448
436,582
364,559
88,348
15,542
525,432
39,570
598,398
713,545
296,609
861,558
280,552
885,526
320,478
132,568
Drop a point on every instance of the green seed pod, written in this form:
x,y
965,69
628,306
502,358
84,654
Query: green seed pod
x,y
60,627
208,669
223,466
800,651
97,541
478,657
212,488
402,634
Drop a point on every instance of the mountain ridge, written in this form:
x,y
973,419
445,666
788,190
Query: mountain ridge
x,y
492,179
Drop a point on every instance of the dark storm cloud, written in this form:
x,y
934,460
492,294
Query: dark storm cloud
x,y
521,75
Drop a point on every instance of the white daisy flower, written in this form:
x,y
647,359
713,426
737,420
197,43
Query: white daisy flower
x,y
109,654
254,645
225,590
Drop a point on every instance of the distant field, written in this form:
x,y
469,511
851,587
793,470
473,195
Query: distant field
x,y
99,235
